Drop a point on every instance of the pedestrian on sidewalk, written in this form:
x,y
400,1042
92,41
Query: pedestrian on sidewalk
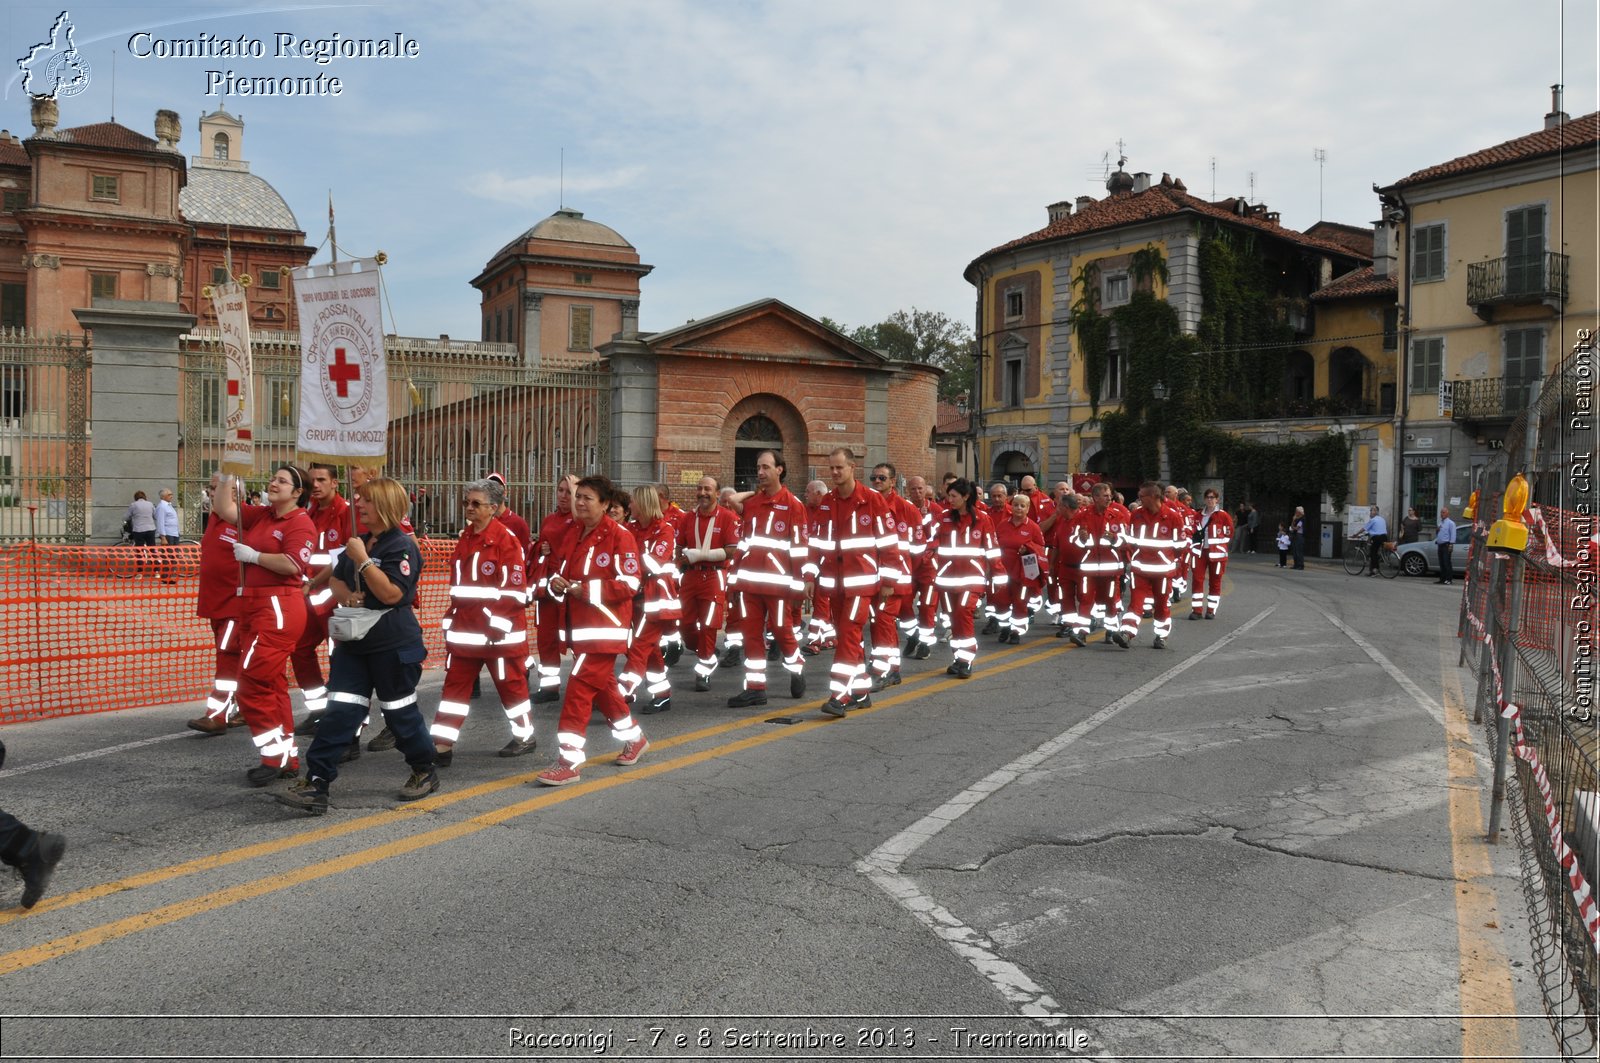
x,y
1283,545
1297,537
1445,540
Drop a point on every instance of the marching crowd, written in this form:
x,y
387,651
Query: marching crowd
x,y
857,570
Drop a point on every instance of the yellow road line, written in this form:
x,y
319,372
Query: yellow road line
x,y
78,942
380,819
1485,968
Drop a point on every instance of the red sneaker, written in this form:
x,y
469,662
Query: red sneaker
x,y
558,774
632,751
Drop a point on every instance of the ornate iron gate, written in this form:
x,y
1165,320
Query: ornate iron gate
x,y
44,436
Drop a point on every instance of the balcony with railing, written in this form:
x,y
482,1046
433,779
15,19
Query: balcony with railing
x,y
1517,281
1488,401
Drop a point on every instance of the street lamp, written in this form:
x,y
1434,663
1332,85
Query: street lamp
x,y
1159,391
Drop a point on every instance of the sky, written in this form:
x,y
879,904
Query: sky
x,y
849,159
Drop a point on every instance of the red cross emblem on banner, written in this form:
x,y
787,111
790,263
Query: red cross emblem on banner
x,y
342,372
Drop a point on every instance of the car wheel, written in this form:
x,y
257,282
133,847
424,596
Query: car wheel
x,y
1414,565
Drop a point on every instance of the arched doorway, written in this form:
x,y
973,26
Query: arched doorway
x,y
1347,378
754,435
1299,383
1011,466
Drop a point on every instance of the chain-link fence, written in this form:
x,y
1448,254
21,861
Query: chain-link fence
x,y
1528,623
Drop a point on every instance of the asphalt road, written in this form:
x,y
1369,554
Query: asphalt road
x,y
1262,842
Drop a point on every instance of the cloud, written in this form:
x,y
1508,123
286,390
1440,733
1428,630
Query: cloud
x,y
519,191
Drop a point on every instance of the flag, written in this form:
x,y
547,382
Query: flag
x,y
238,404
344,376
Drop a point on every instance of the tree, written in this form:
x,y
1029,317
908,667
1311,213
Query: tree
x,y
922,336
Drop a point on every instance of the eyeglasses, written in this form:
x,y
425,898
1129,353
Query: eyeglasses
x,y
878,477
473,503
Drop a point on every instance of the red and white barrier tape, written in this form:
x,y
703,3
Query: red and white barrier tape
x,y
1581,893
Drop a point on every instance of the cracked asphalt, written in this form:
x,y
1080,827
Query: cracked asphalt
x,y
1254,858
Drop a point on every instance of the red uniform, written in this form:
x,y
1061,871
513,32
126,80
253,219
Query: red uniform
x,y
899,611
1154,543
518,526
603,570
1067,555
922,576
218,602
1012,598
1101,535
820,634
556,534
657,545
968,559
708,545
769,580
272,615
487,621
854,550
332,522
1184,562
1216,529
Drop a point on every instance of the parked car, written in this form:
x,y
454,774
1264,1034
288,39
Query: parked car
x,y
1422,558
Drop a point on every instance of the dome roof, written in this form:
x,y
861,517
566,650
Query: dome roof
x,y
572,227
232,195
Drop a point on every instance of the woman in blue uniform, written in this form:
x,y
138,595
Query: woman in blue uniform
x,y
378,570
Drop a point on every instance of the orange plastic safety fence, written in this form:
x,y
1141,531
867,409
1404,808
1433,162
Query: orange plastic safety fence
x,y
90,629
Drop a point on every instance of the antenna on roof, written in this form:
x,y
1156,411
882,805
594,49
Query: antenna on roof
x,y
1252,197
1213,178
561,187
113,84
1322,159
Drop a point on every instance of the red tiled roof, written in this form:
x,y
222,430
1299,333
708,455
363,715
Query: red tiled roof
x,y
13,154
950,419
1357,284
1579,133
1158,201
106,135
1354,237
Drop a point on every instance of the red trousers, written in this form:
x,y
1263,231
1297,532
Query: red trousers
x,y
886,633
644,664
764,614
271,625
1150,591
1208,584
592,685
547,616
821,627
307,668
849,615
510,675
960,607
1070,592
1100,595
705,608
225,683
927,603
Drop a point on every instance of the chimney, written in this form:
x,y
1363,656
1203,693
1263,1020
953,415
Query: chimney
x,y
1384,238
46,114
1166,180
1556,117
1178,185
1059,210
1141,181
1085,202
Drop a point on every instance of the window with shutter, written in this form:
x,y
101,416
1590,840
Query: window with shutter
x,y
1427,253
1427,363
1525,250
1524,350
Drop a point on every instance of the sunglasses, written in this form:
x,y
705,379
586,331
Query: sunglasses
x,y
879,477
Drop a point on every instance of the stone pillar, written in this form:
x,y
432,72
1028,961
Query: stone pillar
x,y
134,385
635,391
630,317
531,302
877,426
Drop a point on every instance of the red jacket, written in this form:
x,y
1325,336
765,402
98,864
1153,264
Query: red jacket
x,y
924,570
772,545
1154,540
603,569
966,554
854,545
519,527
333,528
1066,551
1101,536
291,535
556,531
488,613
719,531
911,536
1218,527
1013,541
658,551
219,571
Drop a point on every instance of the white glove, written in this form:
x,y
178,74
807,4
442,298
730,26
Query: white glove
x,y
248,555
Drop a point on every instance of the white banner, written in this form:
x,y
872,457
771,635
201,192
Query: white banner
x,y
344,375
238,402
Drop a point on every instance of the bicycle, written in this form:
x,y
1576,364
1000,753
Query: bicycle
x,y
1355,558
168,562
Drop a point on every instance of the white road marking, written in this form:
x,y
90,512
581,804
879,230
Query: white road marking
x,y
1429,705
883,865
91,754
